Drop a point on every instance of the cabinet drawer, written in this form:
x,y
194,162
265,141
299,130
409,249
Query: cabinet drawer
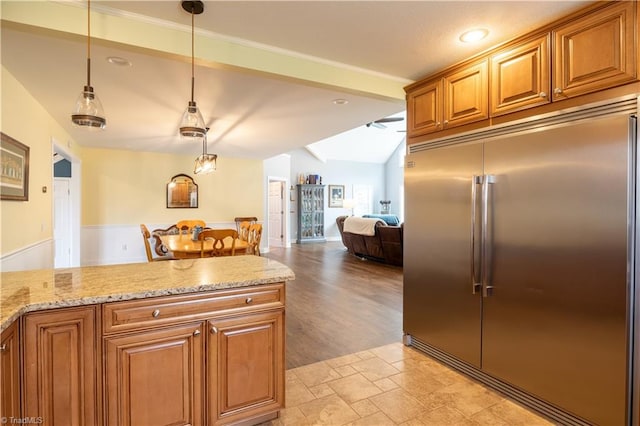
x,y
148,313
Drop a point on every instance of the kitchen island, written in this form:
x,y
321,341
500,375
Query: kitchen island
x,y
194,341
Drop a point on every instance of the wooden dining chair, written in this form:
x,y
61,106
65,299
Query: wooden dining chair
x,y
188,225
243,231
240,219
147,246
220,248
255,235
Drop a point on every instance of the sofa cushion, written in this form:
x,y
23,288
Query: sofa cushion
x,y
390,219
361,225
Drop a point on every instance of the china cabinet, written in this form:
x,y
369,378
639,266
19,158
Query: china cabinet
x,y
310,213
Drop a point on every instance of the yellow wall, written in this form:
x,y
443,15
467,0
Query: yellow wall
x,y
118,187
28,222
127,187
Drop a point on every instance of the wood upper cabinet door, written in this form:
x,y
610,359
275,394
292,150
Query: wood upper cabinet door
x,y
155,377
466,95
245,366
10,373
595,52
424,109
61,367
520,76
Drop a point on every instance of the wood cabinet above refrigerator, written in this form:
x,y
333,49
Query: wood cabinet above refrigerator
x,y
587,52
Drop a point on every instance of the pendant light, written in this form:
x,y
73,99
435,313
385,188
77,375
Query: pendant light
x,y
88,112
192,125
205,163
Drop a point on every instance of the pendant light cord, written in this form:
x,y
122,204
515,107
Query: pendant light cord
x,y
192,52
89,43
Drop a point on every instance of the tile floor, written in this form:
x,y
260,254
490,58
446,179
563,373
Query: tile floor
x,y
394,385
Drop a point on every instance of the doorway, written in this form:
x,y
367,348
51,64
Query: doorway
x,y
62,222
66,207
277,219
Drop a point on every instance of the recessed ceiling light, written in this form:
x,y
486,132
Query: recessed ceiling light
x,y
340,101
474,35
116,60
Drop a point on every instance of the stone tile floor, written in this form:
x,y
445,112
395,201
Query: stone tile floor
x,y
394,385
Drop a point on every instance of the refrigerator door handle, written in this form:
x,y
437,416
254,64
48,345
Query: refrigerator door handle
x,y
476,284
487,287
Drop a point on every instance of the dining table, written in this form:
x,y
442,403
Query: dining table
x,y
182,246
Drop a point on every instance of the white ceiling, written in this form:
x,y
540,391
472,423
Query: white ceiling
x,y
253,113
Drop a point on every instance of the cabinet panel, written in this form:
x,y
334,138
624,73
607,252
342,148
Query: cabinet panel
x,y
520,77
155,378
157,311
60,366
466,95
424,108
10,372
246,366
595,52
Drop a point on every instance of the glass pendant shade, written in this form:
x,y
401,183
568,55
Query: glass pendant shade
x,y
88,111
206,163
192,125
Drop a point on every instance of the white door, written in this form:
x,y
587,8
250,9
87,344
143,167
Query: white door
x,y
276,214
62,222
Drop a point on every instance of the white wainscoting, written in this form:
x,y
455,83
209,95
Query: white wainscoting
x,y
35,256
100,245
113,244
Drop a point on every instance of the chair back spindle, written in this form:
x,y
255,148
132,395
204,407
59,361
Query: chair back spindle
x,y
218,236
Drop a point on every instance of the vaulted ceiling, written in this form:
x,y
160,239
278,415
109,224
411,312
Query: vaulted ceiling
x,y
267,72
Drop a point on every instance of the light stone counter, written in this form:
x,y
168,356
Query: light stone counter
x,y
28,291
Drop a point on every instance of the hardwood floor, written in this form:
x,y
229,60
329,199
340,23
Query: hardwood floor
x,y
338,304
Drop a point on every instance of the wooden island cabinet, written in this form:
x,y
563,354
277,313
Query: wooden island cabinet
x,y
171,355
10,373
246,358
61,366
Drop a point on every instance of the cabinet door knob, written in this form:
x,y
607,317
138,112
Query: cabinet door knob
x,y
3,347
248,300
214,330
543,94
196,333
156,313
446,122
557,91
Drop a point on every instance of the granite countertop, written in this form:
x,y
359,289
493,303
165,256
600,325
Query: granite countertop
x,y
28,291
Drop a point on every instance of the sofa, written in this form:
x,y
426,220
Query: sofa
x,y
385,245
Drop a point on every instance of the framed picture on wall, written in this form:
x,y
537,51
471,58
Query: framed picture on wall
x,y
14,169
336,195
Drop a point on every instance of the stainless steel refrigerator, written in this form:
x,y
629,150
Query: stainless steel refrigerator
x,y
519,259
